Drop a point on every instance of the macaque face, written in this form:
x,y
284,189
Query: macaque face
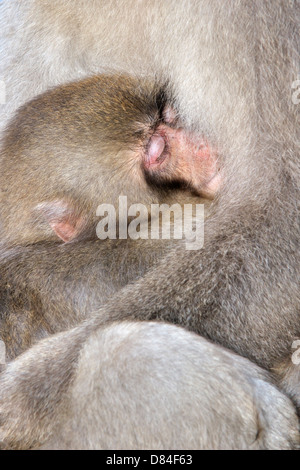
x,y
177,154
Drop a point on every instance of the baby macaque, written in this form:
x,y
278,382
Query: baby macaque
x,y
87,143
65,153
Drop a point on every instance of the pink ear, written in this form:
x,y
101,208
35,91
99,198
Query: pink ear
x,y
64,230
62,218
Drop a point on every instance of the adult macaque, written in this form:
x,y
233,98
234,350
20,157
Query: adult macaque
x,y
229,66
63,154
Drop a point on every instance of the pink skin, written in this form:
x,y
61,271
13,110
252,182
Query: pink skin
x,y
178,154
65,230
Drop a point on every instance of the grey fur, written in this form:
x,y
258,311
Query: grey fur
x,y
141,386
